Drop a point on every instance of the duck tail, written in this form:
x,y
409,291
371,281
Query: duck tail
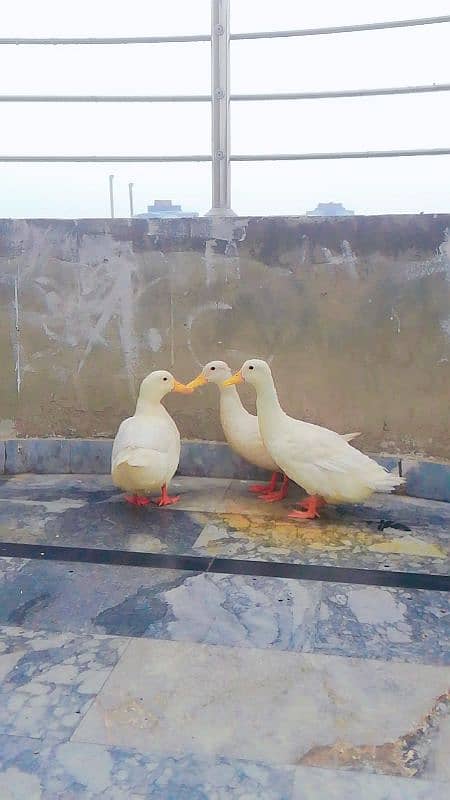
x,y
387,482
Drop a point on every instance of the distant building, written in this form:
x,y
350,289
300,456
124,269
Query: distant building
x,y
164,209
330,210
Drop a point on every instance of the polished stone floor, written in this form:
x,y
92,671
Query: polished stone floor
x,y
172,681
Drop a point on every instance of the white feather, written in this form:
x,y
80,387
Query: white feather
x,y
316,458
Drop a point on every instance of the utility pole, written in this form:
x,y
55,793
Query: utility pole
x,y
130,192
111,195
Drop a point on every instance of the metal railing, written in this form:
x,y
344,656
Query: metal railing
x,y
221,97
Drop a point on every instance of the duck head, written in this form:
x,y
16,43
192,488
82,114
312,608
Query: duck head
x,y
159,383
254,371
213,372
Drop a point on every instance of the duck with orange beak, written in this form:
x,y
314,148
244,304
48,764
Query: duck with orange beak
x,y
241,430
146,450
317,459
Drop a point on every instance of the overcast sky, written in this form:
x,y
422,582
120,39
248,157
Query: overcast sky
x,y
371,59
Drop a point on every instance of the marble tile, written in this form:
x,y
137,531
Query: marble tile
x,y
49,486
240,611
217,460
427,479
320,784
85,598
36,455
387,533
72,512
39,771
286,708
376,622
90,456
206,494
48,681
234,610
397,533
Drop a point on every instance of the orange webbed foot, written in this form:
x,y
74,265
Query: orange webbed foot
x,y
310,508
280,494
137,500
166,499
265,488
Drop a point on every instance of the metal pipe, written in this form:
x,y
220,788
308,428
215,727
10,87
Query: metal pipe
x,y
203,98
111,195
130,194
104,98
104,159
220,108
434,87
108,39
436,151
370,26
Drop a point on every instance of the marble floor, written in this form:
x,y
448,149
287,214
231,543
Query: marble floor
x,y
170,680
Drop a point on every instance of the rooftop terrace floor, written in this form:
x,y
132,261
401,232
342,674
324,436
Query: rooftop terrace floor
x,y
216,649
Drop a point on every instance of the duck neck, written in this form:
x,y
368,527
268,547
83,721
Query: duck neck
x,y
146,405
229,399
230,407
267,405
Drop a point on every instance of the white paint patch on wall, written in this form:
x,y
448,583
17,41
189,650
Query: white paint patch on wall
x,y
97,293
440,262
192,318
346,258
154,339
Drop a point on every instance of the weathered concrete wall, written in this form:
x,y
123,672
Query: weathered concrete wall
x,y
353,313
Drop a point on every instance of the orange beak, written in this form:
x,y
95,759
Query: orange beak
x,y
200,380
236,378
181,388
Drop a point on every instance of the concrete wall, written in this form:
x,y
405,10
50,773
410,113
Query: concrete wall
x,y
353,313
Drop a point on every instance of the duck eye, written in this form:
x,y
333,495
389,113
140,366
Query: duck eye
x,y
164,379
251,366
212,368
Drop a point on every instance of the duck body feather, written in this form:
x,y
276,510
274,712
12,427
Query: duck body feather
x,y
242,432
318,459
146,451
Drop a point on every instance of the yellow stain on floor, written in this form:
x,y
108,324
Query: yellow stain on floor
x,y
283,534
409,547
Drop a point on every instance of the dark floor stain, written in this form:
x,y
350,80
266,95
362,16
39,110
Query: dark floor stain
x,y
389,523
137,612
18,615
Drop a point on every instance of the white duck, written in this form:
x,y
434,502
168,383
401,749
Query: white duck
x,y
146,450
319,460
241,429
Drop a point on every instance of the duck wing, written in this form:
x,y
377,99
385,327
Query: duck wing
x,y
140,442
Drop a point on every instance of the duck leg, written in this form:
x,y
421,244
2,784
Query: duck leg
x,y
280,494
165,499
310,508
137,500
265,488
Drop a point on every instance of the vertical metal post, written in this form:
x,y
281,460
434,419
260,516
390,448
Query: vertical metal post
x,y
220,108
111,195
130,192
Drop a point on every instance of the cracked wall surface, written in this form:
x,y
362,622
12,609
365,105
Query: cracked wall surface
x,y
352,313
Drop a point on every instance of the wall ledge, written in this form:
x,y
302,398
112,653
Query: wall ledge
x,y
429,480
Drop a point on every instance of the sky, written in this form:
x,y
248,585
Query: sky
x,y
358,60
